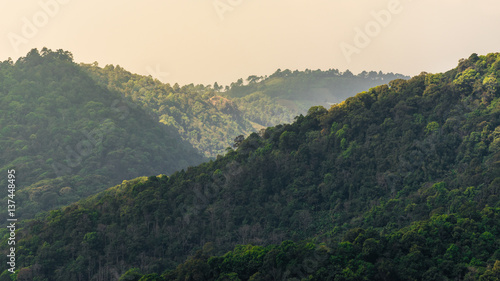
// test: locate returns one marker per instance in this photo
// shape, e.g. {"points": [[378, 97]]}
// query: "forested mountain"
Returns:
{"points": [[73, 142], [211, 117], [401, 182], [277, 99], [201, 116], [69, 138]]}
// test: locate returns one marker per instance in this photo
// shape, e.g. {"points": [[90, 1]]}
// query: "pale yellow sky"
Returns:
{"points": [[203, 41]]}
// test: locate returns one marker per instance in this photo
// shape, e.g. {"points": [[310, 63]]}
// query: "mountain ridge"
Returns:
{"points": [[69, 138], [262, 102], [414, 163]]}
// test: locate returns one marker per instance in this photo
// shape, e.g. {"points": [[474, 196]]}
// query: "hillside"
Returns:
{"points": [[69, 138], [397, 183], [210, 117], [277, 99], [202, 117]]}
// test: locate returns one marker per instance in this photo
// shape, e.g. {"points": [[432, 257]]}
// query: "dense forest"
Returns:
{"points": [[69, 138], [278, 98], [400, 182], [211, 117], [76, 129], [203, 118]]}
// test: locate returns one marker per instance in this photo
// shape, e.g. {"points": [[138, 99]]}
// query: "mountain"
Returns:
{"points": [[68, 138], [202, 117], [277, 99], [210, 118], [39, 104], [401, 182]]}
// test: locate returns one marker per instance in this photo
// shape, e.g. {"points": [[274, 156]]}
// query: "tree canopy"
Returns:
{"points": [[70, 138], [400, 182]]}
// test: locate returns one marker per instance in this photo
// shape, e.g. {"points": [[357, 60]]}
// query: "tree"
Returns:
{"points": [[253, 79], [288, 140], [492, 274], [25, 274], [238, 140], [431, 127], [316, 111], [152, 277], [347, 74], [217, 87], [133, 274]]}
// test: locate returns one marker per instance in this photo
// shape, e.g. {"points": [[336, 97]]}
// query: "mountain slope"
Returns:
{"points": [[277, 99], [414, 163], [210, 119], [202, 117], [444, 247], [69, 138]]}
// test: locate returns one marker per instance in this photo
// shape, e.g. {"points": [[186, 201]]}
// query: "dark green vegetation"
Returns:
{"points": [[69, 138], [210, 118], [72, 130], [203, 118], [277, 99], [398, 183]]}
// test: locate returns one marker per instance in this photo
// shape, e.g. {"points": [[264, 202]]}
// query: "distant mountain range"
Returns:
{"points": [[277, 99]]}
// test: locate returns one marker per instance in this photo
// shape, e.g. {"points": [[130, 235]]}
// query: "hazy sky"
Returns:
{"points": [[203, 41]]}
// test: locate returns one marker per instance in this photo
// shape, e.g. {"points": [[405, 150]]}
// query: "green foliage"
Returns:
{"points": [[431, 127], [465, 79], [438, 248], [277, 99], [133, 274], [69, 138], [200, 115], [288, 140], [151, 277], [398, 199]]}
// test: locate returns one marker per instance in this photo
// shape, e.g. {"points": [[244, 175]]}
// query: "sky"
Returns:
{"points": [[207, 41]]}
